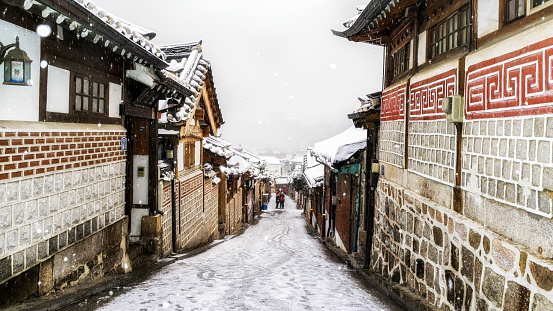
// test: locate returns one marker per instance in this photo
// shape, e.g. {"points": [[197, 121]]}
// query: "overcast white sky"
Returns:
{"points": [[283, 80]]}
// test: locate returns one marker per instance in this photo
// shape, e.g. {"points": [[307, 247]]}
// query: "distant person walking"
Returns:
{"points": [[281, 199]]}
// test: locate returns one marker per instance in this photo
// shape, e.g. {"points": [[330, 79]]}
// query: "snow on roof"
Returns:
{"points": [[282, 180], [341, 147], [189, 69], [271, 160], [309, 159], [353, 19], [167, 132], [216, 141], [315, 175], [140, 36], [239, 163]]}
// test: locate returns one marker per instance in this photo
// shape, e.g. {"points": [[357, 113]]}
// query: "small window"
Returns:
{"points": [[401, 60], [536, 3], [90, 94], [514, 9], [451, 33], [189, 154]]}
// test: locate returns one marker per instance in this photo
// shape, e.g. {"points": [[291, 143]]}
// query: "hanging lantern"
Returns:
{"points": [[17, 65]]}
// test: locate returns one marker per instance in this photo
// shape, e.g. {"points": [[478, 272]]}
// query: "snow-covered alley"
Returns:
{"points": [[274, 265]]}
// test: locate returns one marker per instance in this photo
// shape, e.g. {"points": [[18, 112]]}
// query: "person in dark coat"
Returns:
{"points": [[277, 198], [281, 199]]}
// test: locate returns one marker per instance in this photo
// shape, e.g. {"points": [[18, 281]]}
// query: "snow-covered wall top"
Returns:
{"points": [[341, 147], [315, 175]]}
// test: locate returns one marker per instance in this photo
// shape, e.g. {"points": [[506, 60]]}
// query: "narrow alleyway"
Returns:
{"points": [[274, 265]]}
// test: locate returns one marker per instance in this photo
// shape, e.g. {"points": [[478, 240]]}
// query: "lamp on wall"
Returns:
{"points": [[17, 65]]}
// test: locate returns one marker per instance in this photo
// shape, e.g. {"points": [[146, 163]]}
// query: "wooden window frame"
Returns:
{"points": [[73, 95], [403, 65], [189, 154], [504, 11], [447, 36], [78, 116], [533, 6]]}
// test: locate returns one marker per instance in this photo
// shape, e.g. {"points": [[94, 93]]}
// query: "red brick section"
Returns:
{"points": [[393, 103], [426, 96], [515, 84], [32, 153]]}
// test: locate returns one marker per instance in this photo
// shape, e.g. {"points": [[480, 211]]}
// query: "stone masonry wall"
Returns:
{"points": [[432, 147], [392, 142], [58, 184], [451, 261], [510, 161]]}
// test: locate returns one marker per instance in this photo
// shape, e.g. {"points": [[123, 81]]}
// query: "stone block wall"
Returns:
{"points": [[190, 208], [451, 261], [509, 160], [432, 146], [166, 219], [211, 201], [391, 140], [234, 212], [59, 183]]}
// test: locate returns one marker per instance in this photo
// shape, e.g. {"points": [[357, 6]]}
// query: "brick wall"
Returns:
{"points": [[59, 183], [453, 262]]}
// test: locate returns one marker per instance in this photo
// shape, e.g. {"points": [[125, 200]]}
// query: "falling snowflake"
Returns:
{"points": [[43, 30]]}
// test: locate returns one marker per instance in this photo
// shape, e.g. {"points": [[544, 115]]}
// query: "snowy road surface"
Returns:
{"points": [[273, 265]]}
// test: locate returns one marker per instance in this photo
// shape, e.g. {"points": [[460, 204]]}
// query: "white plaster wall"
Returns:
{"points": [[180, 159], [442, 67], [115, 96], [58, 90], [530, 35], [488, 17], [421, 57], [197, 154], [19, 102], [140, 184]]}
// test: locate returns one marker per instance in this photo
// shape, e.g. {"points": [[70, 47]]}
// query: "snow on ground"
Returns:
{"points": [[273, 265]]}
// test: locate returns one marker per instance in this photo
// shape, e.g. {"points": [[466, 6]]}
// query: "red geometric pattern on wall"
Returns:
{"points": [[393, 104], [426, 96], [515, 84]]}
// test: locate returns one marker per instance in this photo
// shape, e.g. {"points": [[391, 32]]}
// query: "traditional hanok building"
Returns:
{"points": [[189, 198], [342, 158], [241, 187], [368, 117], [463, 203], [68, 70]]}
